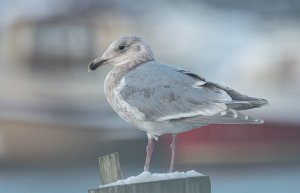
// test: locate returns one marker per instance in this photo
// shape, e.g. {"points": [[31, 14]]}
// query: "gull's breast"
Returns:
{"points": [[126, 111]]}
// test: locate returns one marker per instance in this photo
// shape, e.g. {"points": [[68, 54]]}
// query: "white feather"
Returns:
{"points": [[132, 111], [212, 110]]}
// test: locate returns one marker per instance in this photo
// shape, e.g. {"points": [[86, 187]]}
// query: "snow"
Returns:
{"points": [[148, 177]]}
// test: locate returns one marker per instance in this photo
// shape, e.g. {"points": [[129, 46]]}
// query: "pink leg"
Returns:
{"points": [[173, 148], [149, 150]]}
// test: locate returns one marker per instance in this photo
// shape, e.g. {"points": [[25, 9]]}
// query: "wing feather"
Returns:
{"points": [[164, 93]]}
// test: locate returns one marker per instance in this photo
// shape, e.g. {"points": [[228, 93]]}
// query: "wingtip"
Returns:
{"points": [[258, 121], [265, 102]]}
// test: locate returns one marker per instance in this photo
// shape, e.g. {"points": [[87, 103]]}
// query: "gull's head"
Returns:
{"points": [[124, 51]]}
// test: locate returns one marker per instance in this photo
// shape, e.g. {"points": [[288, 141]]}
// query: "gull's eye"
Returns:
{"points": [[121, 47]]}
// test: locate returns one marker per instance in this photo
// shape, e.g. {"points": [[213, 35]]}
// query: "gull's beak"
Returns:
{"points": [[96, 63]]}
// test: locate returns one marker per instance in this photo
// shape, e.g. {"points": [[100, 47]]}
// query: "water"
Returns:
{"points": [[272, 178]]}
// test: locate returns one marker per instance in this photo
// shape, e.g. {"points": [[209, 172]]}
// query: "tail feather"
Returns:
{"points": [[226, 117], [240, 101], [250, 104]]}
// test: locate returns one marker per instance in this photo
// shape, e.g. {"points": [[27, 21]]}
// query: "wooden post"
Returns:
{"points": [[110, 170], [199, 184]]}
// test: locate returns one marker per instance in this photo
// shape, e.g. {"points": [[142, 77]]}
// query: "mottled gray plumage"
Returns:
{"points": [[160, 98]]}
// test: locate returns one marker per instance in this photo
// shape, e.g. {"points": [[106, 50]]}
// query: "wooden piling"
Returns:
{"points": [[110, 171]]}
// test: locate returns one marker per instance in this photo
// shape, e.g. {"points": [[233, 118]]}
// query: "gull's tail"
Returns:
{"points": [[240, 101], [250, 103], [229, 116]]}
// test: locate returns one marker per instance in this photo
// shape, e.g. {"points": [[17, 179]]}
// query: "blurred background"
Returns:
{"points": [[55, 121]]}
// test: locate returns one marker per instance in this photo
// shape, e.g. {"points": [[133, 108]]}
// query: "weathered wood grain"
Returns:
{"points": [[110, 170], [199, 184]]}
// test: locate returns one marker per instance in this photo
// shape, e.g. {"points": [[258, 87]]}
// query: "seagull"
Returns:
{"points": [[162, 99]]}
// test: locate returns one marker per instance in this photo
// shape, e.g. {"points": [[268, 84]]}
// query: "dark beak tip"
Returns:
{"points": [[95, 64], [92, 66]]}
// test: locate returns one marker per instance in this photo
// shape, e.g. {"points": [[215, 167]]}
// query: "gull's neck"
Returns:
{"points": [[117, 73]]}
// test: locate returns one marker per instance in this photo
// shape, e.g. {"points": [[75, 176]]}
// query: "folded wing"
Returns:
{"points": [[164, 93]]}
